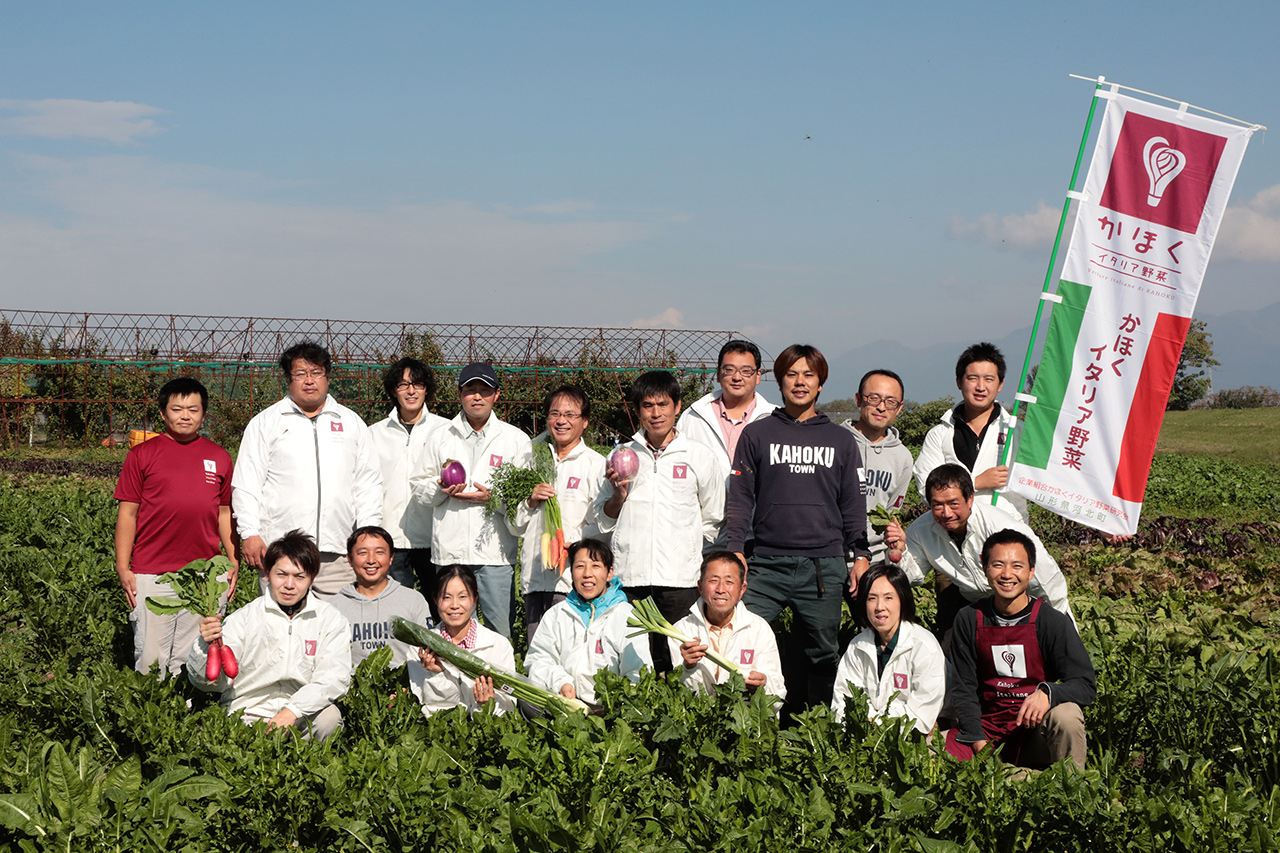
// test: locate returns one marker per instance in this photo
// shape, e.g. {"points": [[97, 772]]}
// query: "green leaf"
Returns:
{"points": [[126, 776], [20, 811], [166, 606]]}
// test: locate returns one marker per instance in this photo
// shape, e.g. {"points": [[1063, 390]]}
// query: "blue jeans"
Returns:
{"points": [[497, 588]]}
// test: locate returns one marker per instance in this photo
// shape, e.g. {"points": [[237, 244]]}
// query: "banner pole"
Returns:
{"points": [[1048, 274]]}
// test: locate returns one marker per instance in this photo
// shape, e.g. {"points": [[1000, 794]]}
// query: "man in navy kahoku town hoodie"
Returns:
{"points": [[795, 479]]}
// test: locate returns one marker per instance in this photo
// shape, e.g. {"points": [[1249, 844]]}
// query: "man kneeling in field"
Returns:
{"points": [[1022, 672], [719, 621], [294, 649]]}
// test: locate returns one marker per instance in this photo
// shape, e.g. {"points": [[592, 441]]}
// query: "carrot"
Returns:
{"points": [[564, 549], [546, 550]]}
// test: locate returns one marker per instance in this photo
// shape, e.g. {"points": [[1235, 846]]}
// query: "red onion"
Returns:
{"points": [[624, 462], [453, 473]]}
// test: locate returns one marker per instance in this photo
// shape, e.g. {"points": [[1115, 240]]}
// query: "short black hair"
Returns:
{"points": [[571, 391], [419, 374], [297, 547], [980, 352], [948, 475], [654, 383], [305, 351], [901, 585], [1009, 536], [183, 386], [739, 345], [370, 530], [725, 556], [879, 371], [466, 574], [596, 549]]}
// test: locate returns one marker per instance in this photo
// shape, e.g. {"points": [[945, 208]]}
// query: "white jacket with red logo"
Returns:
{"points": [[567, 651], [676, 503], [460, 531], [751, 644], [579, 478], [302, 664], [318, 475], [398, 449], [440, 691], [914, 682]]}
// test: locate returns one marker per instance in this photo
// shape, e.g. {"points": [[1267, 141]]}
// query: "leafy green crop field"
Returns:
{"points": [[1182, 623]]}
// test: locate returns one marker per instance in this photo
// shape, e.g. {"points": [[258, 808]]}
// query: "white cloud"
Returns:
{"points": [[120, 122], [672, 318], [127, 232], [1252, 232], [1032, 230]]}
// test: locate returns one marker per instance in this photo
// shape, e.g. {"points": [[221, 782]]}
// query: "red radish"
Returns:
{"points": [[213, 668], [895, 555], [624, 462], [230, 666], [453, 473]]}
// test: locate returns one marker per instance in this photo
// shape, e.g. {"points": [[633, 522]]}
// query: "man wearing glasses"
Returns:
{"points": [[717, 420], [306, 463], [399, 441], [886, 462]]}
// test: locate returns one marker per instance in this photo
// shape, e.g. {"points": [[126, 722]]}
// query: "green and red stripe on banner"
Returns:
{"points": [[1142, 429]]}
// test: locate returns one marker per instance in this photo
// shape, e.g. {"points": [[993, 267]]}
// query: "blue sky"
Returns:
{"points": [[820, 172]]}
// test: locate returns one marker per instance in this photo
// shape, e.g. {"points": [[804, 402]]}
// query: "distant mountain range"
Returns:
{"points": [[1246, 342]]}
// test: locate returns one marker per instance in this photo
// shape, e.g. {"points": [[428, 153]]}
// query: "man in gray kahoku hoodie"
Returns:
{"points": [[376, 599], [886, 462]]}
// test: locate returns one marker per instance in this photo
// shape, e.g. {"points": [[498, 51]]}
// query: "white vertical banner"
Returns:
{"points": [[1154, 197]]}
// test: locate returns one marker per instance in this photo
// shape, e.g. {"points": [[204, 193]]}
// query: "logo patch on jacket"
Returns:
{"points": [[900, 681], [679, 472], [494, 460], [599, 646], [335, 426], [1010, 661], [211, 466], [573, 482], [309, 646], [747, 656]]}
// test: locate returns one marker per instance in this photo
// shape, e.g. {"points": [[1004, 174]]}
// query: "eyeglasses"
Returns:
{"points": [[568, 416], [744, 372], [874, 400], [405, 386], [300, 375]]}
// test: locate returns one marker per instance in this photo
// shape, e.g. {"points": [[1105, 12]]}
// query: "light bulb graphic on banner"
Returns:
{"points": [[1163, 165]]}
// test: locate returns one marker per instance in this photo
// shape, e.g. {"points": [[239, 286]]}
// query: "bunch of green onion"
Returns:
{"points": [[475, 666], [646, 616]]}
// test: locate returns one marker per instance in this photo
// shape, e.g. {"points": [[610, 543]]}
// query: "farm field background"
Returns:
{"points": [[1183, 624]]}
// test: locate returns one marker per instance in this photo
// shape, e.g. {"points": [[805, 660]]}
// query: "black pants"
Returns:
{"points": [[673, 603]]}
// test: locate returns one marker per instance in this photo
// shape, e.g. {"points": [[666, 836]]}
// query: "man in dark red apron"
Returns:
{"points": [[1022, 672]]}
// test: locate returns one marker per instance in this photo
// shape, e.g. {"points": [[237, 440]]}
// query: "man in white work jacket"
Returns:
{"points": [[461, 532], [306, 463]]}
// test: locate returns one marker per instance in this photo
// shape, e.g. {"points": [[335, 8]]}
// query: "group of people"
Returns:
{"points": [[737, 510]]}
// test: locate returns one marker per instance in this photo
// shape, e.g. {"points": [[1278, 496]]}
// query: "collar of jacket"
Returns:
{"points": [[587, 611]]}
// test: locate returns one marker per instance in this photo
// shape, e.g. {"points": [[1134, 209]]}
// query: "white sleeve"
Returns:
{"points": [[249, 478], [1048, 581], [543, 659], [769, 663], [931, 456], [915, 559], [424, 478], [366, 481], [929, 688], [844, 675], [711, 493]]}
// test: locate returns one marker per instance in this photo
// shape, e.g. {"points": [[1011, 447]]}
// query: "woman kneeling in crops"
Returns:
{"points": [[587, 631], [894, 661], [294, 650], [443, 685]]}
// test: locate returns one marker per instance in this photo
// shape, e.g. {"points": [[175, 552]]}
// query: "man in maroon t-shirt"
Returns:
{"points": [[175, 507]]}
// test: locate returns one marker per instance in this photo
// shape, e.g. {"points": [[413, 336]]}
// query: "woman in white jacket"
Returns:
{"points": [[587, 632], [443, 686], [294, 650], [897, 663]]}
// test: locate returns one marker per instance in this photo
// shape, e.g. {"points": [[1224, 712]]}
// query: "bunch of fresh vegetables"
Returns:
{"points": [[200, 591], [475, 666], [510, 485], [646, 616], [879, 519]]}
